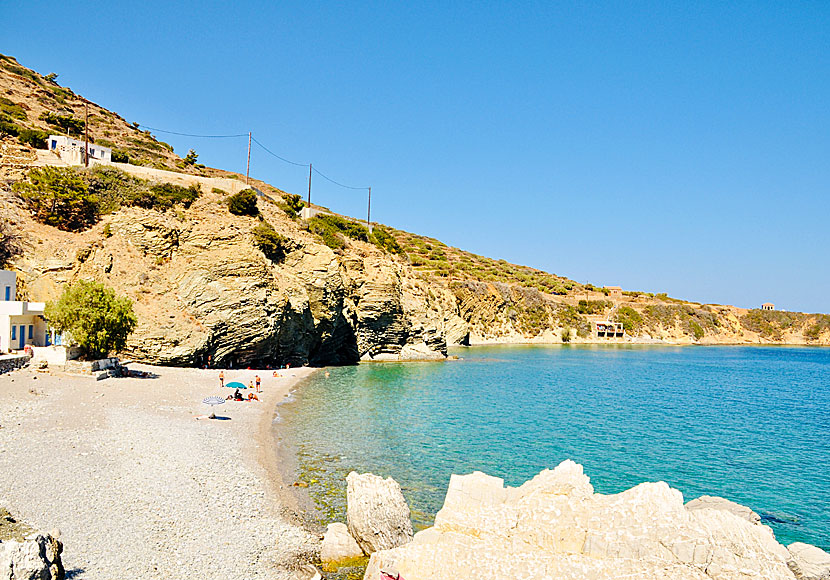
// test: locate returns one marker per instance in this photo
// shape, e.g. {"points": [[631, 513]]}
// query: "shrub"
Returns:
{"points": [[58, 197], [243, 203], [107, 231], [291, 204], [113, 187], [697, 331], [630, 318], [33, 137], [330, 236], [190, 158], [218, 191], [163, 196], [120, 156], [12, 109], [332, 228], [96, 318], [272, 244], [592, 306], [66, 123], [383, 239], [566, 334], [9, 128]]}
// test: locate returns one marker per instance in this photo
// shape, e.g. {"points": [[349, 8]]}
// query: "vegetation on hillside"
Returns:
{"points": [[243, 203], [94, 316], [272, 244], [73, 199], [434, 258]]}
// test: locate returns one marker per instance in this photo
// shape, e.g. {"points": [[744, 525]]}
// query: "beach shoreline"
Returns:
{"points": [[141, 483]]}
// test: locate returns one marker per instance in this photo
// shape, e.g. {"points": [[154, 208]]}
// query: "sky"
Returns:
{"points": [[679, 147]]}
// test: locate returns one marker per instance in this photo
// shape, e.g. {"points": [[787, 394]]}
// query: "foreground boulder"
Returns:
{"points": [[719, 503], [35, 558], [808, 562], [377, 513], [339, 545], [555, 526]]}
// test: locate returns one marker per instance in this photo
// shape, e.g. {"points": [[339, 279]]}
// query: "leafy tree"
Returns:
{"points": [[51, 77], [96, 318], [190, 158], [243, 203], [33, 137], [291, 204], [163, 196], [11, 244], [58, 197], [272, 244]]}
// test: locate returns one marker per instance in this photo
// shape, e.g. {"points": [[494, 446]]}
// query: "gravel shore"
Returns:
{"points": [[138, 486]]}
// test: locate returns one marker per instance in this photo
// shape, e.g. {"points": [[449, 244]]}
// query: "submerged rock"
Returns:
{"points": [[35, 558], [377, 513], [555, 526], [719, 503], [809, 562], [339, 545]]}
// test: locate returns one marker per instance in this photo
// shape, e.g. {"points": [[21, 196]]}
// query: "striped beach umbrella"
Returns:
{"points": [[213, 401]]}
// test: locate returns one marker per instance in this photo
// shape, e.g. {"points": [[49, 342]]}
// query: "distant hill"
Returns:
{"points": [[270, 288]]}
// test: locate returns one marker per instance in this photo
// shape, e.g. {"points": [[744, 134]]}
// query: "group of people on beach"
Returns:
{"points": [[255, 383]]}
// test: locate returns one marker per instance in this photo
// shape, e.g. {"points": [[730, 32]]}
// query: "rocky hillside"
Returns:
{"points": [[334, 293]]}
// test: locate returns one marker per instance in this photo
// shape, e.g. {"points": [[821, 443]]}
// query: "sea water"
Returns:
{"points": [[751, 424]]}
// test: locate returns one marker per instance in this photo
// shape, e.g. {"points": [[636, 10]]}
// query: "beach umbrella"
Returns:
{"points": [[236, 385], [213, 401]]}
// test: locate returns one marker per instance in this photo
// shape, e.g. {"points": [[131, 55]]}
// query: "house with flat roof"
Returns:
{"points": [[614, 291], [21, 323], [73, 151], [767, 306]]}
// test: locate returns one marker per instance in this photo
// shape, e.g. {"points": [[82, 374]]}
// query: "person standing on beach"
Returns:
{"points": [[221, 378], [257, 383]]}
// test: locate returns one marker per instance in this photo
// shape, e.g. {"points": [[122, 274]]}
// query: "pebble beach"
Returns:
{"points": [[141, 484]]}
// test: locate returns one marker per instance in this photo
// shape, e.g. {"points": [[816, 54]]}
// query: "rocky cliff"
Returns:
{"points": [[203, 289]]}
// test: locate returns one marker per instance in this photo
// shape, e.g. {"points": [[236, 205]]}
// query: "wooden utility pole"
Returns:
{"points": [[86, 134], [309, 186], [369, 212], [248, 168]]}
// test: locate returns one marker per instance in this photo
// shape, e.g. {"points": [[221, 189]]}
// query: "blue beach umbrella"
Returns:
{"points": [[236, 385]]}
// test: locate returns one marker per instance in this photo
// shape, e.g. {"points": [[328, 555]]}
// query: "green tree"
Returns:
{"points": [[243, 203], [96, 318], [191, 157], [58, 197]]}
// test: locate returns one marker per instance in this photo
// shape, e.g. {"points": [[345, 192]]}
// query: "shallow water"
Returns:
{"points": [[751, 424]]}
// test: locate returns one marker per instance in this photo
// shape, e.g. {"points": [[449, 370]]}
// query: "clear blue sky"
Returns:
{"points": [[679, 147]]}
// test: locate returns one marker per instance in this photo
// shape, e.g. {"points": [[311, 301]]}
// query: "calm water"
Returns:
{"points": [[750, 424]]}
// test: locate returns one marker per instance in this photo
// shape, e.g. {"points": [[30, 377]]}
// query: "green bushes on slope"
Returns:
{"points": [[243, 203]]}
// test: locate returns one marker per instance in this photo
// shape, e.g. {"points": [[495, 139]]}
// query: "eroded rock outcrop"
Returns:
{"points": [[718, 503], [555, 526], [809, 562], [338, 545], [35, 558], [377, 514]]}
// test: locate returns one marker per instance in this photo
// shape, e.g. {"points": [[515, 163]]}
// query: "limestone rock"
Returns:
{"points": [[719, 503], [555, 526], [339, 545], [809, 562], [35, 558], [377, 513]]}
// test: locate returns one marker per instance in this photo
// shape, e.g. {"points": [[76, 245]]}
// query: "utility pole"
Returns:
{"points": [[309, 186], [248, 168], [369, 212], [86, 134]]}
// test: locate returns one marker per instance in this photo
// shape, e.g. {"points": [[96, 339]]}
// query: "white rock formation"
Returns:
{"points": [[719, 503], [809, 562], [338, 545], [555, 526], [377, 513], [35, 558]]}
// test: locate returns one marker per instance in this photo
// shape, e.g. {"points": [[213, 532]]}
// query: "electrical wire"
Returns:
{"points": [[277, 156], [191, 135], [336, 183]]}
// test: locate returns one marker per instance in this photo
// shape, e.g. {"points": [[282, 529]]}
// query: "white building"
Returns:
{"points": [[73, 151], [21, 323]]}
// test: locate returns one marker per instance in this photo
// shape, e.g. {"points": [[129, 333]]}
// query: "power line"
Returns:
{"points": [[191, 135], [336, 183], [277, 156]]}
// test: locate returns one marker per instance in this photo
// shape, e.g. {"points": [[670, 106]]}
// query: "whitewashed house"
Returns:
{"points": [[73, 151], [21, 323]]}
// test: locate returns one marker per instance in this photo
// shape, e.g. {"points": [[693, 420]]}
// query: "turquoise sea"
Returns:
{"points": [[751, 424]]}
